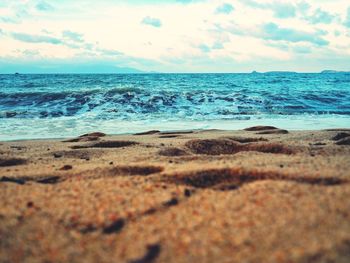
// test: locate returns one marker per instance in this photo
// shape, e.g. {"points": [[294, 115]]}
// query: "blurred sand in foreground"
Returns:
{"points": [[256, 195]]}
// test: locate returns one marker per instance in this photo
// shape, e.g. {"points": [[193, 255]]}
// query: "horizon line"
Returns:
{"points": [[149, 73]]}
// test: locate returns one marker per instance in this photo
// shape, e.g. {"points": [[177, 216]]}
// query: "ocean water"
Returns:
{"points": [[55, 106]]}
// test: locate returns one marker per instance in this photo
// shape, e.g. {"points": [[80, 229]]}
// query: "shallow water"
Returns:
{"points": [[53, 106]]}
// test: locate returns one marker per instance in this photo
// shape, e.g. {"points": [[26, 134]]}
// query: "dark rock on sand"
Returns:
{"points": [[12, 180], [66, 167], [115, 227], [274, 131], [260, 128], [341, 135], [246, 140], [172, 151], [147, 132], [83, 139], [93, 134], [49, 180], [187, 192], [345, 141], [176, 132], [318, 144], [152, 253], [11, 162], [173, 201], [57, 155], [339, 130], [106, 144]]}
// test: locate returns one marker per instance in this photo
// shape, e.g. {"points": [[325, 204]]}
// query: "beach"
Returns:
{"points": [[261, 194], [128, 135]]}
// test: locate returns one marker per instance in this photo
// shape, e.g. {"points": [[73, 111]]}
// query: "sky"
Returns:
{"points": [[105, 36]]}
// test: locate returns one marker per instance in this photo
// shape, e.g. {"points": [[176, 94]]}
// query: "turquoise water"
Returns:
{"points": [[54, 106]]}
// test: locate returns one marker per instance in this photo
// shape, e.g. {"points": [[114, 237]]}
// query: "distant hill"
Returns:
{"points": [[81, 68], [333, 71]]}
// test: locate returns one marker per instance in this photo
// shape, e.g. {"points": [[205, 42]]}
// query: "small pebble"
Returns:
{"points": [[152, 253], [66, 167], [187, 192], [57, 155], [115, 227], [173, 201]]}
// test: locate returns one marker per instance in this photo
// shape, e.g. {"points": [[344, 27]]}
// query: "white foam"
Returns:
{"points": [[63, 127]]}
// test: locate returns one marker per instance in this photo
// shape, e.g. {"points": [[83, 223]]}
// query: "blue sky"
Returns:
{"points": [[174, 36]]}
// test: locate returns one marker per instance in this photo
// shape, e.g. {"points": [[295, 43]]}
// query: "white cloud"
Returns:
{"points": [[151, 21], [159, 36]]}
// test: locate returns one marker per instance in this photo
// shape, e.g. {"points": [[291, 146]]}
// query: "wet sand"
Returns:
{"points": [[255, 195]]}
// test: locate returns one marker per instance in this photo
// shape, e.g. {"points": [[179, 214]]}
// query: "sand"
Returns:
{"points": [[256, 195]]}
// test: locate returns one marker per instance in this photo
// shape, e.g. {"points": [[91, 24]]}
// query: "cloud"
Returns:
{"points": [[296, 48], [303, 7], [219, 31], [31, 53], [88, 46], [108, 52], [9, 20], [302, 49], [253, 4], [321, 16], [151, 21], [218, 45], [184, 1], [207, 49], [224, 9], [36, 38], [279, 45], [280, 9], [347, 20], [272, 31], [66, 66], [44, 6], [204, 48], [283, 10], [74, 36]]}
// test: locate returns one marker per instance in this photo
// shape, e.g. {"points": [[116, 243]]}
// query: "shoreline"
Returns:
{"points": [[262, 194], [60, 128], [164, 132]]}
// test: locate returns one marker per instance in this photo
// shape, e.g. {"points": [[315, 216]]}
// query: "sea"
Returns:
{"points": [[66, 105]]}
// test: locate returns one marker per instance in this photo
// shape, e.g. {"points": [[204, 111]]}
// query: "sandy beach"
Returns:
{"points": [[256, 195]]}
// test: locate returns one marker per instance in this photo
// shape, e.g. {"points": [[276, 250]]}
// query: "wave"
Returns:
{"points": [[137, 103], [176, 97]]}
